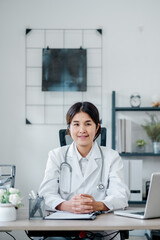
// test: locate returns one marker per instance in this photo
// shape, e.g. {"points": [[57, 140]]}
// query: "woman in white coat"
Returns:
{"points": [[93, 178]]}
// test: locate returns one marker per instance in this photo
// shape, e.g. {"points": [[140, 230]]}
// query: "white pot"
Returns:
{"points": [[7, 212]]}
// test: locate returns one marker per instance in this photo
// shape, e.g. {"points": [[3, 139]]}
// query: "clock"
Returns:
{"points": [[135, 100]]}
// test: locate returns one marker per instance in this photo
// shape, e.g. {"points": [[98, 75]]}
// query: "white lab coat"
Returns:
{"points": [[116, 192]]}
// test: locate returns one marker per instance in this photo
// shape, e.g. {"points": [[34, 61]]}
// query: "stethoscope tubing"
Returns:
{"points": [[100, 186]]}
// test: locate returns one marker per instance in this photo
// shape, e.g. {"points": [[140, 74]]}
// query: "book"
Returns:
{"points": [[121, 135], [128, 136]]}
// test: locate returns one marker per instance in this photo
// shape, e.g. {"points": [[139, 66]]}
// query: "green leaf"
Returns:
{"points": [[152, 127]]}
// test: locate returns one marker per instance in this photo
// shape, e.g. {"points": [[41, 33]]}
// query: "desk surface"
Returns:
{"points": [[102, 222]]}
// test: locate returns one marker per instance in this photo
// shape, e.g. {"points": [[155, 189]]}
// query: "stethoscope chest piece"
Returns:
{"points": [[100, 187]]}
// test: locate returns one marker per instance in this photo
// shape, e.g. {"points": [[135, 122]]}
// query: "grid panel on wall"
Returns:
{"points": [[51, 107]]}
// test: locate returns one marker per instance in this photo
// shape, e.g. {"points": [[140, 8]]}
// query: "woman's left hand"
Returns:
{"points": [[86, 203]]}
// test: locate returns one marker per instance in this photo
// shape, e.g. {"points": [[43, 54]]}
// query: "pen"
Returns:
{"points": [[33, 194], [30, 195]]}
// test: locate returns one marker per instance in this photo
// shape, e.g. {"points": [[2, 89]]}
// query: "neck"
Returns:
{"points": [[83, 150]]}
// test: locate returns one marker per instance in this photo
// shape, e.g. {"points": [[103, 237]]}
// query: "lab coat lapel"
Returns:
{"points": [[73, 160], [92, 163], [76, 171]]}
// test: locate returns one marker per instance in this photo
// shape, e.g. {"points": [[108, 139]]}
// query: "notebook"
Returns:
{"points": [[152, 208], [63, 215]]}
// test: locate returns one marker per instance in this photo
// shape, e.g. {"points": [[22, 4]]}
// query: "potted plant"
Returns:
{"points": [[152, 128], [140, 145], [10, 200]]}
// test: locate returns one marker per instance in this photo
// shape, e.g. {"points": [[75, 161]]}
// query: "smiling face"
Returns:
{"points": [[83, 130]]}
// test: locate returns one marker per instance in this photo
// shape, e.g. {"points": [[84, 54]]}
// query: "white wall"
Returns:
{"points": [[131, 60]]}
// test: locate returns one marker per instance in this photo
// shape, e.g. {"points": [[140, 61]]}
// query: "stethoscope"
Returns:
{"points": [[66, 167]]}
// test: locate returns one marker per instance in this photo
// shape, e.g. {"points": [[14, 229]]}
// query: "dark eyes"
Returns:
{"points": [[86, 124], [75, 124]]}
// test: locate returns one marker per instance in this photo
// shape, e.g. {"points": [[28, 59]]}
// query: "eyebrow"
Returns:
{"points": [[85, 121]]}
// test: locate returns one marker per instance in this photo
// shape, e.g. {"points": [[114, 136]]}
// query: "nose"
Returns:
{"points": [[82, 129]]}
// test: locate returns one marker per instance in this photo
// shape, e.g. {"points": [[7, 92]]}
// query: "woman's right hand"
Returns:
{"points": [[77, 204]]}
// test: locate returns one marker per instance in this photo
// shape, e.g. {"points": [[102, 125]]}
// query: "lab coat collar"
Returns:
{"points": [[93, 158], [94, 152], [72, 157], [91, 167], [79, 156]]}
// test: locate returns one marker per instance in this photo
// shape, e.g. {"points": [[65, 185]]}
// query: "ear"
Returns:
{"points": [[98, 125], [68, 129]]}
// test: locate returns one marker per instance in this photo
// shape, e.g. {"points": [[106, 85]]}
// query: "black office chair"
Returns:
{"points": [[65, 139]]}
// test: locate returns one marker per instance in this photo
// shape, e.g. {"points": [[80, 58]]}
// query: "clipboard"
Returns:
{"points": [[63, 215]]}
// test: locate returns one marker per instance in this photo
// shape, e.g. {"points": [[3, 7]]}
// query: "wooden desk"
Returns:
{"points": [[102, 222]]}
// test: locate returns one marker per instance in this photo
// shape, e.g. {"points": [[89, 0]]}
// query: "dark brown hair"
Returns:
{"points": [[85, 107]]}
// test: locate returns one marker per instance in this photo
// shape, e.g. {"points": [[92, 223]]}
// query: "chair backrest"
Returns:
{"points": [[65, 139], [7, 175]]}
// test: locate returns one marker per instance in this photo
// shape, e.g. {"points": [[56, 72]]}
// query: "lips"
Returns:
{"points": [[83, 136]]}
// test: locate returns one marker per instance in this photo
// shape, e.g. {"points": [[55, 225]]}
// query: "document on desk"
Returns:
{"points": [[63, 215]]}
